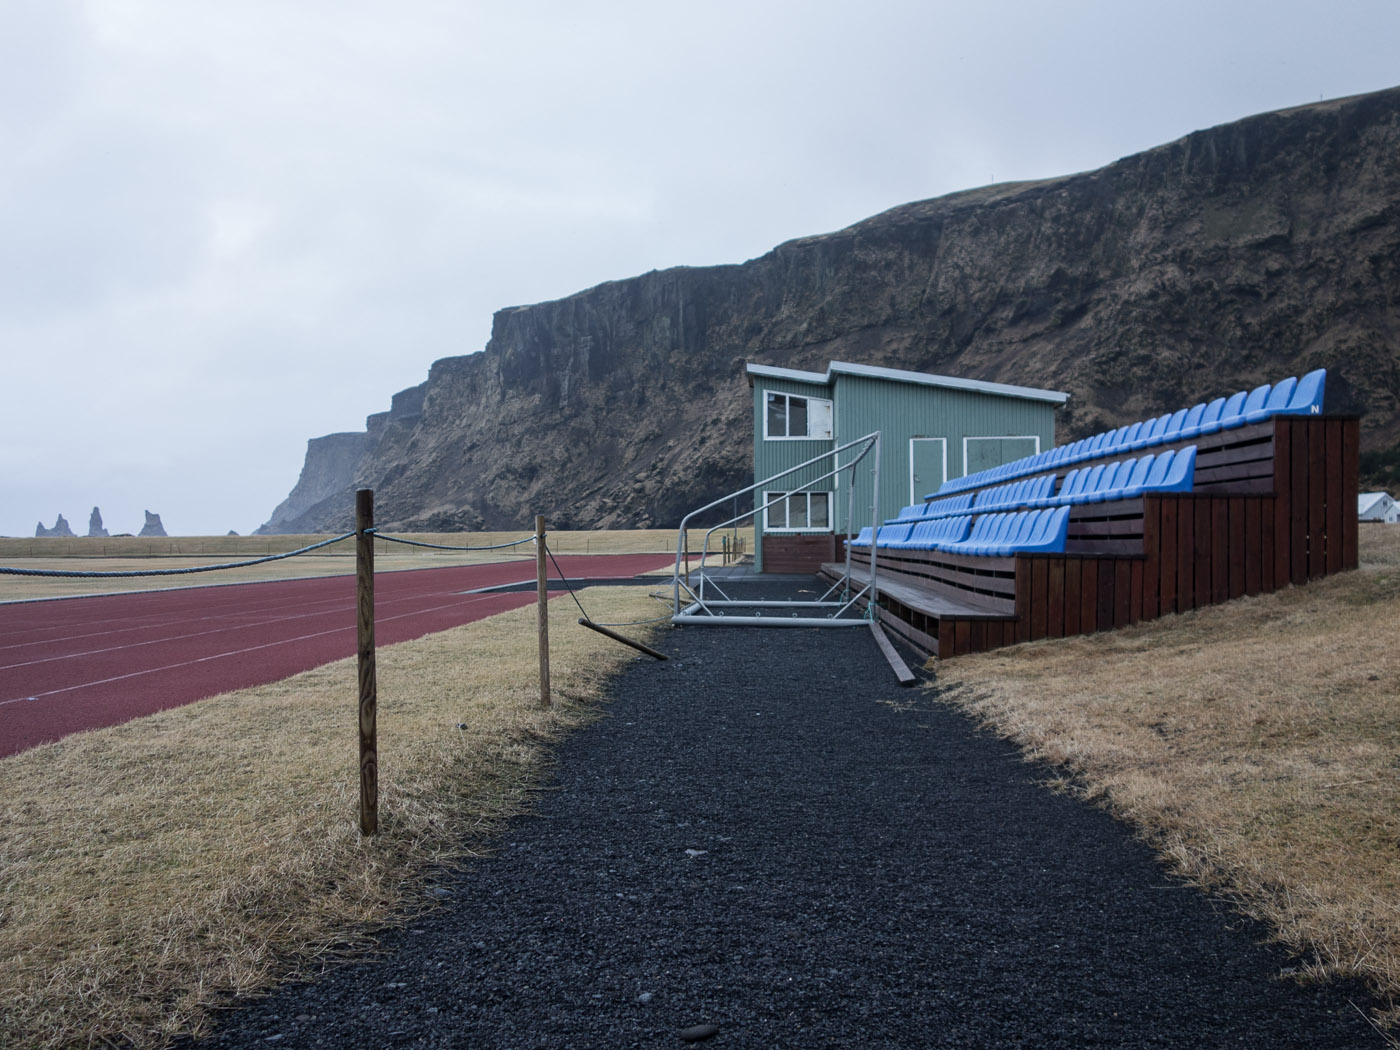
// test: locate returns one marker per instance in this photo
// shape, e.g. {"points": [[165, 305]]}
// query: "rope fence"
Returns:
{"points": [[444, 547], [364, 534], [133, 573]]}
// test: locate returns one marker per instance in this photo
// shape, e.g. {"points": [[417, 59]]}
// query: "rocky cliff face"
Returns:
{"points": [[1233, 256]]}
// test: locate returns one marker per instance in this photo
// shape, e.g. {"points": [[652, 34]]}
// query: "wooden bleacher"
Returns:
{"points": [[1273, 503]]}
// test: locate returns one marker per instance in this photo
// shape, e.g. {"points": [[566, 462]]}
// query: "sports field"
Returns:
{"points": [[83, 663]]}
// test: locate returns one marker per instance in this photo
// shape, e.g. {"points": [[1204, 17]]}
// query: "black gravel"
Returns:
{"points": [[767, 843]]}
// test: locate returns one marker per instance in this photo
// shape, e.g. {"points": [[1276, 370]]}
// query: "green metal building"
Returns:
{"points": [[932, 427]]}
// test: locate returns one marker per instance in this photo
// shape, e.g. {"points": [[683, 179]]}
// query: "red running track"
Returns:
{"points": [[83, 663]]}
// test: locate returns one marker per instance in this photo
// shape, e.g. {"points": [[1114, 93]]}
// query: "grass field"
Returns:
{"points": [[151, 870], [1256, 745]]}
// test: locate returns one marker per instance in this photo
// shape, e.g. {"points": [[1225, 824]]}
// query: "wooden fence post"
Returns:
{"points": [[543, 589], [364, 631]]}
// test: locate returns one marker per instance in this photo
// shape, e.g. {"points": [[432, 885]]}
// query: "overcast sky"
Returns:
{"points": [[228, 226]]}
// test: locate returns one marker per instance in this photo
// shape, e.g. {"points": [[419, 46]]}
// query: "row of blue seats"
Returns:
{"points": [[1170, 471], [1011, 532], [1289, 397], [1040, 520], [1004, 497]]}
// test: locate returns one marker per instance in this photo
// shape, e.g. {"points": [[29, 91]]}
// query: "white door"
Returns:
{"points": [[928, 466]]}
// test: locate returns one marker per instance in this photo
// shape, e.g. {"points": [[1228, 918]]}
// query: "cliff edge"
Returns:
{"points": [[1233, 256]]}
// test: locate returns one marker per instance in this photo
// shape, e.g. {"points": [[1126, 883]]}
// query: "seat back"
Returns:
{"points": [[1232, 413], [1279, 396], [953, 530], [1175, 425], [1209, 420], [892, 535], [1253, 405], [1137, 476], [1308, 395], [1181, 477]]}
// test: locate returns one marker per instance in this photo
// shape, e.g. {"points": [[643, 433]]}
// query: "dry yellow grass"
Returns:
{"points": [[151, 870], [1255, 744]]}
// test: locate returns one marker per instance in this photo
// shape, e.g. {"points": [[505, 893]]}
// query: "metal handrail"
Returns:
{"points": [[867, 443]]}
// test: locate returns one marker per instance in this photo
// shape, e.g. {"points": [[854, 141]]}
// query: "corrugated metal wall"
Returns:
{"points": [[901, 411]]}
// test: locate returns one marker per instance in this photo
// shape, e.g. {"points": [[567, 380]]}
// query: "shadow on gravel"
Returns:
{"points": [[768, 836]]}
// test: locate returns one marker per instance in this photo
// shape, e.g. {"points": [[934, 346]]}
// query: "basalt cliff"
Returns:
{"points": [[1233, 256]]}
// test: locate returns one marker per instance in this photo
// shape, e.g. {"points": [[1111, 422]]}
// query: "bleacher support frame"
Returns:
{"points": [[843, 611], [1274, 503]]}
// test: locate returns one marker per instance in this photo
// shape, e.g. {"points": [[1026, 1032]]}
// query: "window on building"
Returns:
{"points": [[982, 453], [798, 510], [790, 416]]}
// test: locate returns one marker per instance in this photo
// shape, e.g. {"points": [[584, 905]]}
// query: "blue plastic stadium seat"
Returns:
{"points": [[1132, 476], [1152, 431], [1172, 431], [1028, 531], [1232, 410], [982, 528], [914, 538], [1209, 421], [1179, 474], [1192, 423], [1073, 483], [1117, 439], [1110, 479], [1278, 399], [941, 508], [1048, 497], [1050, 531], [1089, 481], [1248, 406], [1006, 526], [928, 535], [1308, 396], [863, 540], [891, 535]]}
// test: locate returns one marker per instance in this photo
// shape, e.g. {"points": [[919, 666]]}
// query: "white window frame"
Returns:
{"points": [[768, 498], [820, 417], [995, 437]]}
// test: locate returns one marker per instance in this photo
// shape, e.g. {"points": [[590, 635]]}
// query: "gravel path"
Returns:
{"points": [[767, 835]]}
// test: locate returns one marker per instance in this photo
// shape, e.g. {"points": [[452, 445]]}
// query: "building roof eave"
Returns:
{"points": [[899, 375]]}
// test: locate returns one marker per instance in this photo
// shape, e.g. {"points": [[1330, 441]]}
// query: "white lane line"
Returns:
{"points": [[146, 619], [220, 656], [168, 638], [337, 605], [148, 622]]}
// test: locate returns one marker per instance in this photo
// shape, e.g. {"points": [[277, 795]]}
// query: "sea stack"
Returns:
{"points": [[60, 528]]}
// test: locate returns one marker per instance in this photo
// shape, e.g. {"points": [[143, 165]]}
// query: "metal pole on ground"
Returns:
{"points": [[543, 588], [364, 632]]}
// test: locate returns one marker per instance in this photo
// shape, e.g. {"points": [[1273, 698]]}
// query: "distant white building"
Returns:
{"points": [[1377, 506]]}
